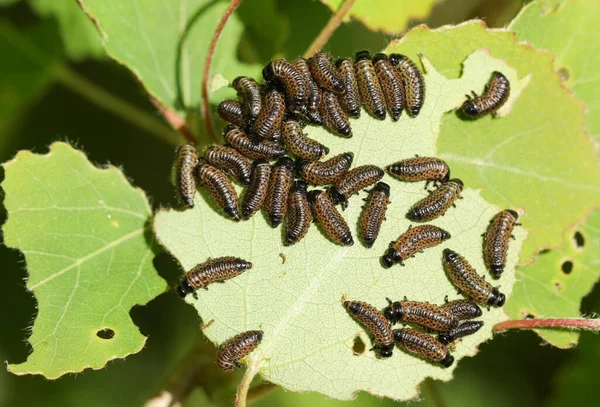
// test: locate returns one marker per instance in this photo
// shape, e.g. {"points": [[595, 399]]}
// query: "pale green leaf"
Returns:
{"points": [[80, 37], [84, 234], [538, 157], [294, 293], [165, 42], [390, 16]]}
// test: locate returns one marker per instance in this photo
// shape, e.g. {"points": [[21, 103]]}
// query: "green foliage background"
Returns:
{"points": [[42, 102]]}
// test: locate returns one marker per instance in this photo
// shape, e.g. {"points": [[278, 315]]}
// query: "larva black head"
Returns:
{"points": [[236, 81], [353, 306], [469, 108], [497, 299], [385, 351], [285, 162], [267, 72], [444, 338], [387, 261], [313, 195], [349, 156], [449, 255], [347, 240], [299, 186], [379, 57], [396, 59], [243, 265], [447, 361], [233, 212], [496, 271], [184, 289], [383, 187], [513, 213], [336, 196], [393, 312], [459, 182], [445, 235], [362, 55]]}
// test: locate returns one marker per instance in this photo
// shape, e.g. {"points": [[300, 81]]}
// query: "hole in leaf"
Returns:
{"points": [[579, 240], [105, 333], [530, 316], [564, 74], [558, 286], [544, 251], [567, 267], [359, 346]]}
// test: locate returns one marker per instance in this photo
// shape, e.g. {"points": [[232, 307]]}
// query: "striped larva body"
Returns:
{"points": [[425, 346], [220, 188], [415, 169], [495, 243], [377, 326], [186, 160], [237, 348], [496, 93], [423, 314], [301, 146], [412, 81], [415, 239], [325, 172], [462, 309], [314, 93], [325, 73], [334, 116], [369, 87], [437, 203], [230, 161], [270, 116], [353, 181], [349, 100], [391, 84], [468, 282], [231, 111], [252, 149], [373, 214], [298, 217], [257, 190], [276, 202], [284, 73], [249, 91], [328, 217], [212, 271], [464, 329]]}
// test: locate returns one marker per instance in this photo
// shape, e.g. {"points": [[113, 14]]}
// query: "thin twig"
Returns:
{"points": [[551, 323], [242, 392], [329, 29], [101, 97], [175, 121], [208, 120]]}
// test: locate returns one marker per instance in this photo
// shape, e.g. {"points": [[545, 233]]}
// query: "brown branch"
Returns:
{"points": [[329, 29], [175, 121], [208, 120], [551, 323]]}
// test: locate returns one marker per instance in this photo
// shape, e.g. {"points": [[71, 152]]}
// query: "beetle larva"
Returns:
{"points": [[276, 202], [301, 146], [270, 116], [325, 172], [298, 214], [237, 348], [220, 188], [412, 241], [391, 84], [333, 115], [349, 100], [494, 96], [412, 81], [423, 314], [328, 217], [257, 190], [230, 161], [414, 169], [420, 344], [353, 181], [314, 93], [369, 87], [325, 73], [231, 111], [281, 71], [462, 330], [211, 271], [186, 160], [437, 203], [467, 281], [462, 309], [373, 214], [375, 324], [253, 149], [495, 244], [249, 91]]}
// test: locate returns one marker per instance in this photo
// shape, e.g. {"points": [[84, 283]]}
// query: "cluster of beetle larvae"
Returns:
{"points": [[266, 123]]}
